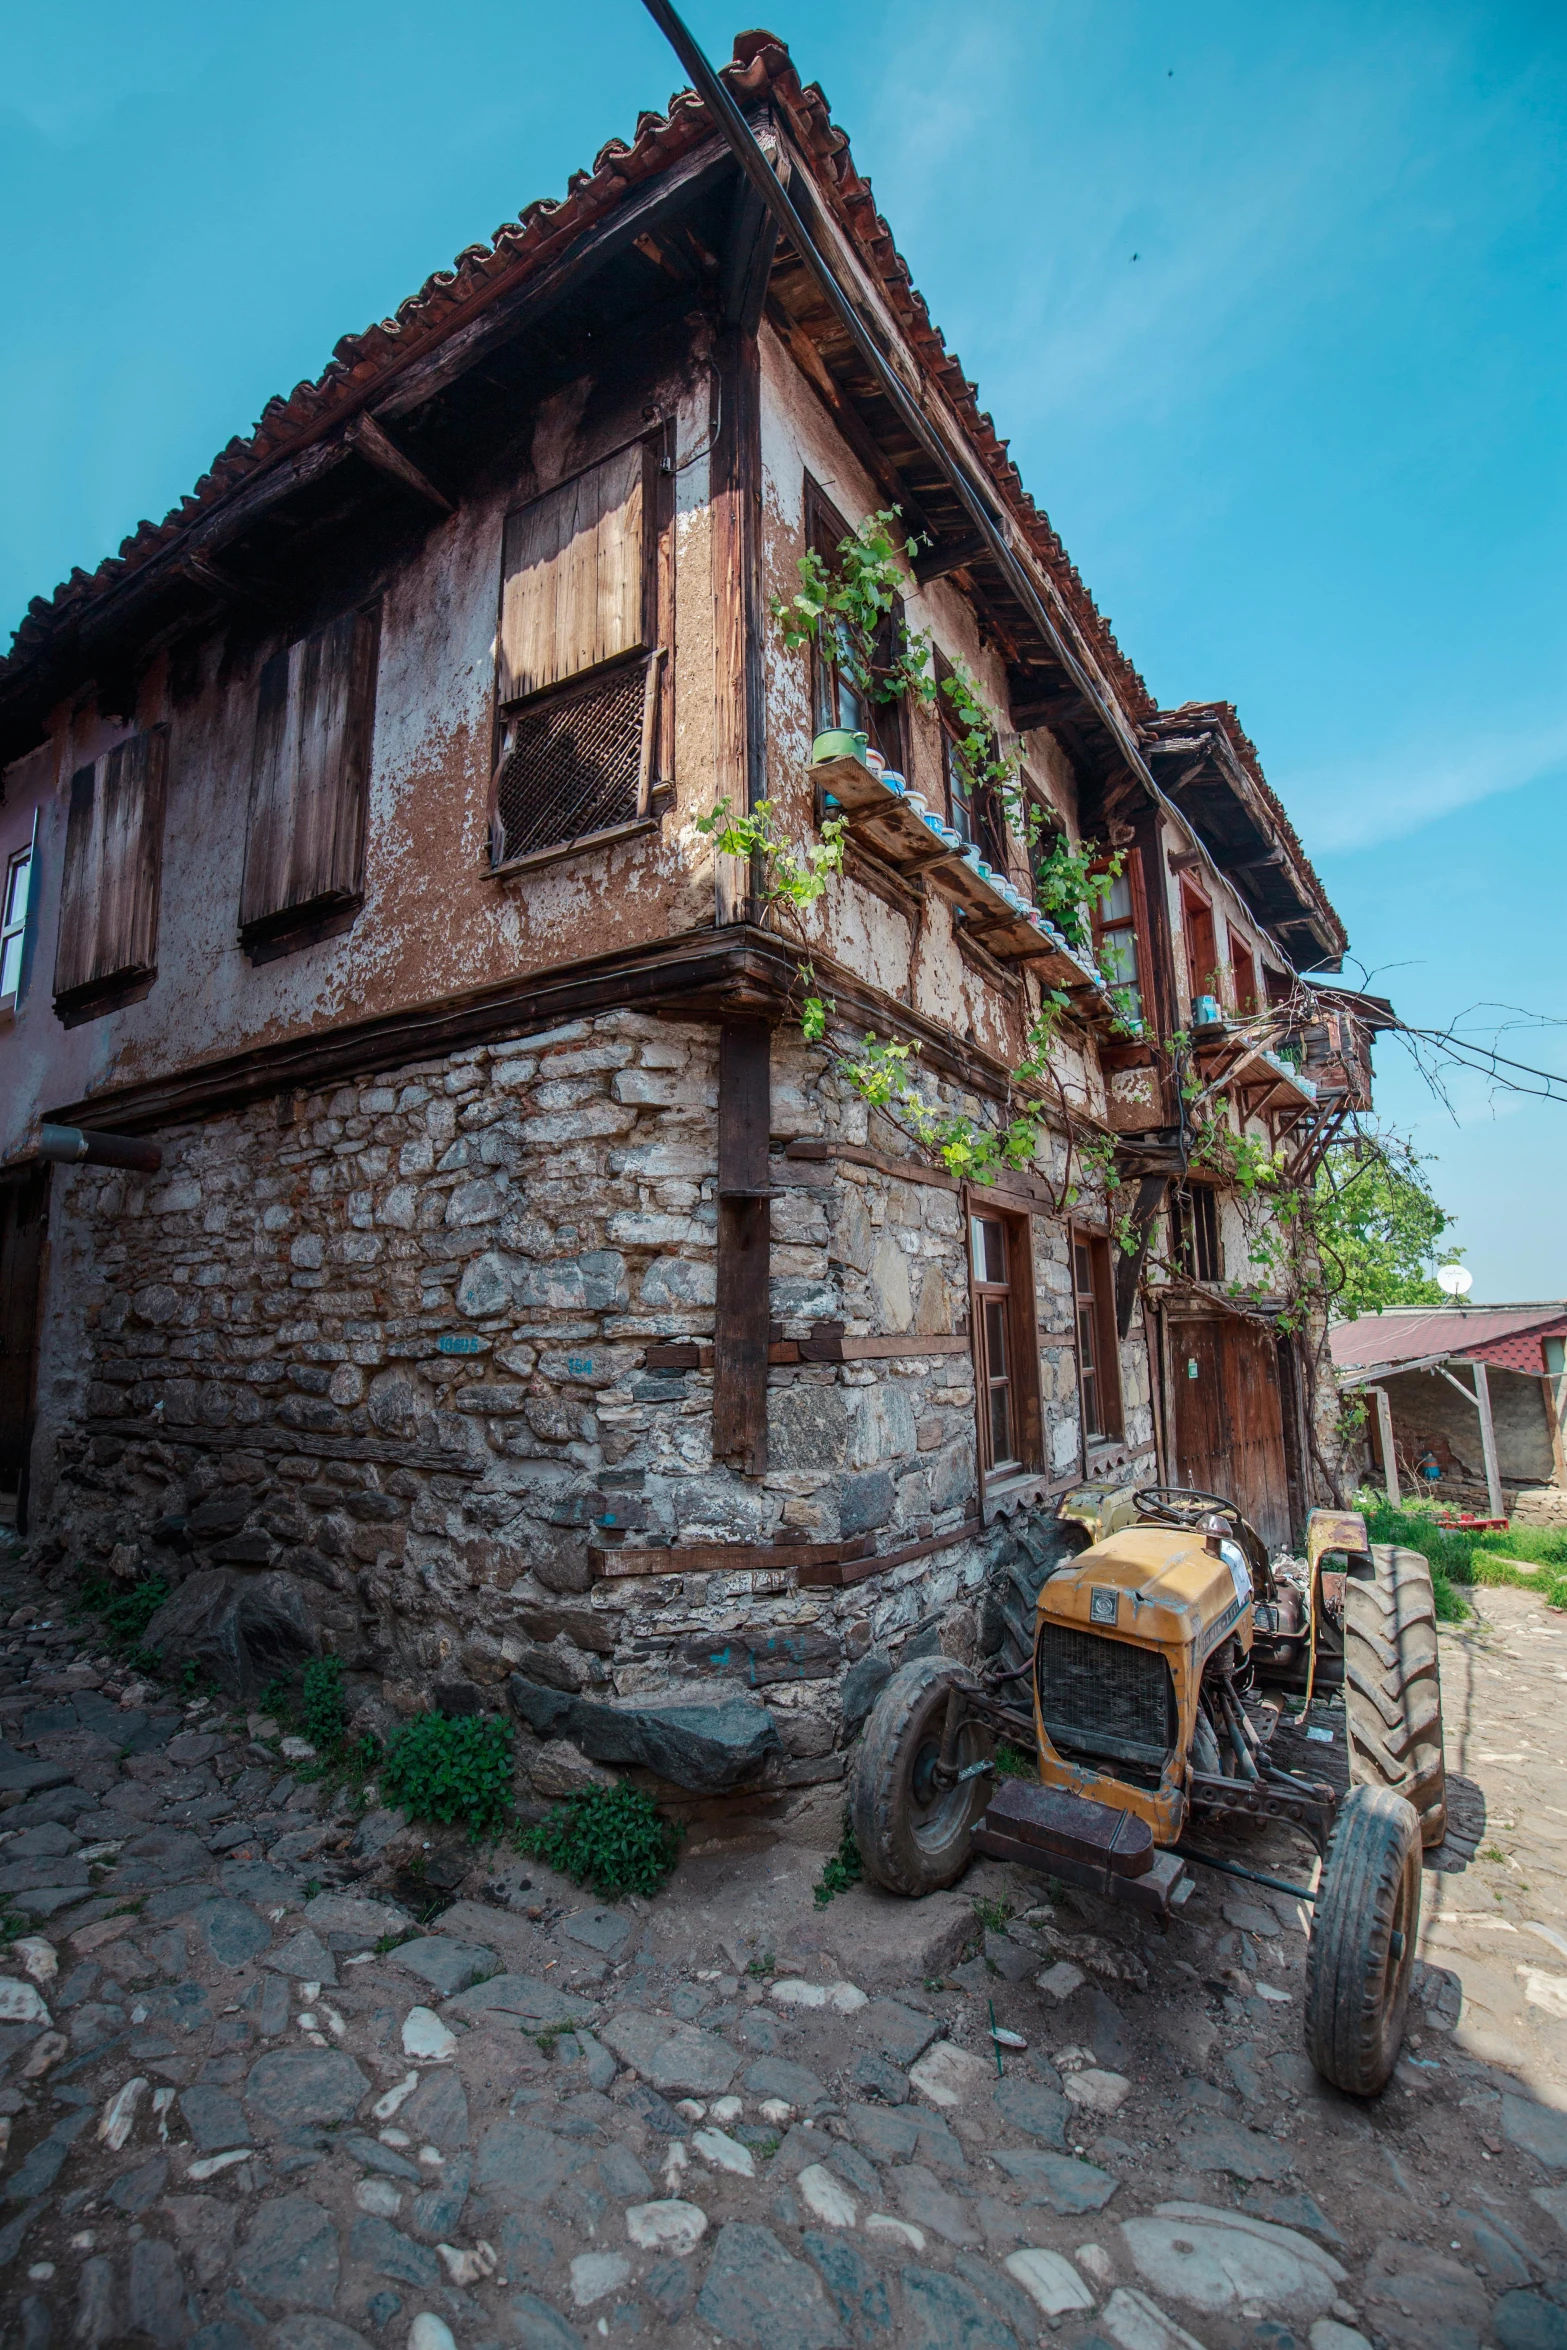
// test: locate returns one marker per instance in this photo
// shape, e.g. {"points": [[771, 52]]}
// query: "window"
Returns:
{"points": [[13, 919], [310, 771], [973, 809], [1118, 926], [835, 699], [1006, 1352], [1098, 1354], [107, 949], [1202, 951], [1194, 1233], [577, 673], [1243, 974]]}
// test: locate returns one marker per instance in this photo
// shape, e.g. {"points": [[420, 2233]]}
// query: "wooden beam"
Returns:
{"points": [[740, 732], [377, 449], [741, 1324], [748, 257], [1385, 1445], [950, 556], [1493, 1475]]}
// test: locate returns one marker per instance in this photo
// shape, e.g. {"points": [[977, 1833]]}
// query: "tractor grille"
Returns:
{"points": [[574, 766], [1105, 1697]]}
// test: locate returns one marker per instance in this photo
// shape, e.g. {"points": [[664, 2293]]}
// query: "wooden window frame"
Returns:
{"points": [[1243, 958], [1098, 1300], [13, 920], [125, 960], [1197, 905], [1196, 1235], [984, 820], [1021, 1365], [825, 531], [648, 655], [1132, 867]]}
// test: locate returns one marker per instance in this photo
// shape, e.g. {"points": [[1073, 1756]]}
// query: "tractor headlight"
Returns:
{"points": [[1240, 1574]]}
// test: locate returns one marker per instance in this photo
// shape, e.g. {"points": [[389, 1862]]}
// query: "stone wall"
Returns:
{"points": [[387, 1343]]}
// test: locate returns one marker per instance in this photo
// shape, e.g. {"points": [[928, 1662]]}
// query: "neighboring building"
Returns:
{"points": [[1456, 1382], [519, 1290]]}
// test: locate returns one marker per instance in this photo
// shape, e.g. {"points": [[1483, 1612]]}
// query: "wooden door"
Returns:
{"points": [[23, 1201], [1229, 1419]]}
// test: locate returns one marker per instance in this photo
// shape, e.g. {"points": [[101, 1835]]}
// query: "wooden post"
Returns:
{"points": [[1385, 1440], [740, 735], [742, 1321], [1554, 1388], [1493, 1479]]}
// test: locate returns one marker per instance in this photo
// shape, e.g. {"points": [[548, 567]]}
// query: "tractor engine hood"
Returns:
{"points": [[1156, 1585]]}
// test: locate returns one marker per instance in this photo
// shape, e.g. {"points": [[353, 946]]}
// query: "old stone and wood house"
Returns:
{"points": [[516, 1292]]}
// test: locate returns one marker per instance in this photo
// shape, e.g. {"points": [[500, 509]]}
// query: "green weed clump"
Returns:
{"points": [[1013, 1763], [843, 1870], [322, 1715], [124, 1610], [1472, 1555], [612, 1838], [454, 1770]]}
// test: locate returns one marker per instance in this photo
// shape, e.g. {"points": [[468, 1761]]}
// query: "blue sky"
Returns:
{"points": [[1306, 447]]}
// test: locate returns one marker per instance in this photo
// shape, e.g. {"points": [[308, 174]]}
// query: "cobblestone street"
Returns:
{"points": [[251, 2105]]}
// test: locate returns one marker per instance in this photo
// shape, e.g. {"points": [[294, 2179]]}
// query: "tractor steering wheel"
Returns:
{"points": [[1183, 1505]]}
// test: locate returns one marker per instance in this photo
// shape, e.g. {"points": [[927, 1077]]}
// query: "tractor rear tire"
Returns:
{"points": [[914, 1837], [1392, 1684], [1363, 1935]]}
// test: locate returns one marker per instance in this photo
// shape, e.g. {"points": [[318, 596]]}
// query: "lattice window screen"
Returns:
{"points": [[575, 763]]}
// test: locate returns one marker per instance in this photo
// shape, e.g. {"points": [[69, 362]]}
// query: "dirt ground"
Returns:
{"points": [[248, 2108]]}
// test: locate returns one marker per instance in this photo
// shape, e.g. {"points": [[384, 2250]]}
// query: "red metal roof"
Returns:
{"points": [[1508, 1336], [363, 365]]}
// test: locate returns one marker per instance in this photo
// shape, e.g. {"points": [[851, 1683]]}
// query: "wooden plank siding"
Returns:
{"points": [[109, 889], [574, 591], [315, 717]]}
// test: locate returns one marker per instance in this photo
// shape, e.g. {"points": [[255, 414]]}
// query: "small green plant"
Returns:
{"points": [[764, 1965], [275, 1697], [844, 1870], [993, 1915], [612, 1838], [322, 1716], [124, 1610], [454, 1770], [1013, 1763], [1492, 1852], [312, 1887]]}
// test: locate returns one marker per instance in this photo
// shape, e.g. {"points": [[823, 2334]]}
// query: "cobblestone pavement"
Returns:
{"points": [[251, 2102]]}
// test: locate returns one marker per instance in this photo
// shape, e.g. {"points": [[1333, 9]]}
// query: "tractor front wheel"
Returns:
{"points": [[913, 1832], [1363, 1936]]}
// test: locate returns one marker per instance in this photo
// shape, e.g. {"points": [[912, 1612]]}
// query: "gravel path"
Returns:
{"points": [[275, 2076]]}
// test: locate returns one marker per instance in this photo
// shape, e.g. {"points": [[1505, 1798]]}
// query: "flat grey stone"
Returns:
{"points": [[370, 2154], [1249, 1917], [1007, 2299], [1527, 2321], [667, 2285], [214, 2119], [374, 1833], [1059, 2180], [155, 2296], [232, 1931], [888, 2136], [100, 2315], [1007, 1958], [304, 2331], [539, 2327], [941, 2313], [656, 2111], [880, 2079], [524, 2164], [1293, 2211], [39, 2169], [346, 1922], [708, 1747], [22, 1775], [902, 2034], [852, 2165], [677, 2060], [437, 2112], [448, 1967], [304, 1956], [256, 1880], [774, 2076], [135, 2190], [434, 2215], [1029, 2106], [1215, 2144], [290, 2255], [858, 2293], [623, 2176], [537, 2002], [604, 1930], [390, 2253], [45, 1901], [758, 2295], [922, 2198], [294, 2086], [13, 2234], [162, 1856], [47, 1841], [1535, 2129]]}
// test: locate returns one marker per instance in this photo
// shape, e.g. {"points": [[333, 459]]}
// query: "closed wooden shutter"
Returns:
{"points": [[315, 716], [574, 582], [113, 863]]}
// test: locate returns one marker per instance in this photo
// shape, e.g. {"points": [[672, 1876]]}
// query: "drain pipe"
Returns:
{"points": [[84, 1146]]}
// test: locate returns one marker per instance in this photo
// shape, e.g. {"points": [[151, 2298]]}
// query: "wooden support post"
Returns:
{"points": [[741, 1324], [740, 736], [1385, 1441], [1493, 1478], [1554, 1387]]}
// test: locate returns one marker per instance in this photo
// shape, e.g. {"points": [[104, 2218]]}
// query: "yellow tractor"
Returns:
{"points": [[1153, 1686]]}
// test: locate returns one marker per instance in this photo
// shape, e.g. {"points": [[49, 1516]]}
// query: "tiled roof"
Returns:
{"points": [[363, 365], [1412, 1334]]}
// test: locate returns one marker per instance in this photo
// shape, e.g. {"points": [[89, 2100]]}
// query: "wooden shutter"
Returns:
{"points": [[113, 864], [574, 577], [315, 716]]}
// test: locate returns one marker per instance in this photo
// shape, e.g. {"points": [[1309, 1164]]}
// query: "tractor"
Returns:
{"points": [[1153, 1685]]}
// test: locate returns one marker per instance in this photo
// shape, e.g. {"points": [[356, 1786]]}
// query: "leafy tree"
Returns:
{"points": [[1379, 1225]]}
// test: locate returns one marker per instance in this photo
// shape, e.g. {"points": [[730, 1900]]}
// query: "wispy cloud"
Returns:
{"points": [[1363, 803]]}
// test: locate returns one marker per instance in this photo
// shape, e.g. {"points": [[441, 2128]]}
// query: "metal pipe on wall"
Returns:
{"points": [[85, 1146]]}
